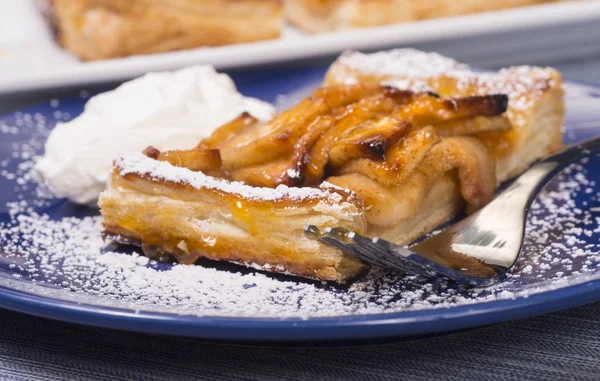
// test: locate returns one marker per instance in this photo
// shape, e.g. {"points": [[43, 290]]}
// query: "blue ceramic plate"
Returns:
{"points": [[54, 264]]}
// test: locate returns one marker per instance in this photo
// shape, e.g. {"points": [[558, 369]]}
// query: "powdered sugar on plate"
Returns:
{"points": [[53, 249]]}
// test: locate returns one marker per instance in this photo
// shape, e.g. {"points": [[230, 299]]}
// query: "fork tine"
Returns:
{"points": [[342, 246], [378, 254], [378, 251], [408, 261], [370, 256], [396, 256], [362, 252], [382, 253]]}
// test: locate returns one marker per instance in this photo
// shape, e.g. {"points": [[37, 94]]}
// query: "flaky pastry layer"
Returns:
{"points": [[174, 211]]}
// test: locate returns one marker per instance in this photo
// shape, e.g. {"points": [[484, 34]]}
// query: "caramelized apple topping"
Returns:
{"points": [[380, 133], [197, 159]]}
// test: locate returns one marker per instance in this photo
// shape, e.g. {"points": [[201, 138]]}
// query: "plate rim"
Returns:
{"points": [[410, 323], [294, 329]]}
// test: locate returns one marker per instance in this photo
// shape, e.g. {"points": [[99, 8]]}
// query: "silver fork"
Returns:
{"points": [[481, 249]]}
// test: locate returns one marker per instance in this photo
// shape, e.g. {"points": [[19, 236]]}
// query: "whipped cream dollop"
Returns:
{"points": [[168, 110]]}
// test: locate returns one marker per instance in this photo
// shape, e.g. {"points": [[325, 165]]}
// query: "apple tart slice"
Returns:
{"points": [[105, 29], [367, 157]]}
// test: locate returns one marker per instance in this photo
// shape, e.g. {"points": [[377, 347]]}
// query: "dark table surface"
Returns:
{"points": [[562, 345]]}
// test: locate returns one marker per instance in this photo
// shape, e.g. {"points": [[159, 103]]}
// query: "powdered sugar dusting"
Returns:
{"points": [[405, 62], [137, 163], [412, 85], [414, 69]]}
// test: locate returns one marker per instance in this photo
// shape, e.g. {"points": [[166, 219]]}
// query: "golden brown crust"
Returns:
{"points": [[101, 29]]}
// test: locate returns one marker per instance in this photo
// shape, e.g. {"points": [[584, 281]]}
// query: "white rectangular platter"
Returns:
{"points": [[31, 60]]}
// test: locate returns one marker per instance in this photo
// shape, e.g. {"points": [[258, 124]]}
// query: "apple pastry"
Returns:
{"points": [[369, 157], [101, 29]]}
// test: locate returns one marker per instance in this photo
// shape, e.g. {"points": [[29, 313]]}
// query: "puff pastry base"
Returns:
{"points": [[172, 211]]}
